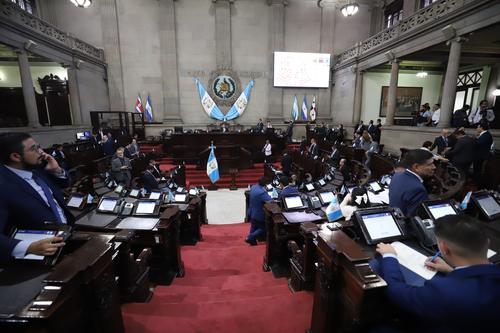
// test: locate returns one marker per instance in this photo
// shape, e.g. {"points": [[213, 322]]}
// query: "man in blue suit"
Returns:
{"points": [[466, 298], [407, 190], [258, 197], [28, 195], [286, 187]]}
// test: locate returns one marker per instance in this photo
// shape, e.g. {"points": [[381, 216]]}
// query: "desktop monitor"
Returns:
{"points": [[487, 205], [378, 225], [181, 197], [439, 209], [293, 202], [321, 182], [134, 193], [107, 205], [375, 186], [155, 195], [309, 187], [193, 191], [326, 197], [83, 135], [119, 189], [145, 207], [76, 201]]}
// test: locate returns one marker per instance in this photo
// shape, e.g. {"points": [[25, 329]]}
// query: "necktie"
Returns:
{"points": [[49, 196]]}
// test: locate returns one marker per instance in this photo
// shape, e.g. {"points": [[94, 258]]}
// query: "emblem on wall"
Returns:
{"points": [[225, 87]]}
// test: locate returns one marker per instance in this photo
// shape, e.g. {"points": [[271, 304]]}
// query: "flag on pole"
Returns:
{"points": [[149, 110], [295, 109], [304, 108], [313, 112], [333, 211], [241, 103], [212, 166], [208, 103], [138, 104]]}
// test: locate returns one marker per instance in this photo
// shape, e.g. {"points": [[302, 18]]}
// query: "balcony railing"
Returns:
{"points": [[12, 14], [421, 19]]}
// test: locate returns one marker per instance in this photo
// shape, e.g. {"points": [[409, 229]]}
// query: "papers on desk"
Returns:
{"points": [[413, 260], [380, 198], [299, 217]]}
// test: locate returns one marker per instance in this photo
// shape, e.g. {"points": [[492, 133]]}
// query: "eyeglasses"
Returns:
{"points": [[34, 148]]}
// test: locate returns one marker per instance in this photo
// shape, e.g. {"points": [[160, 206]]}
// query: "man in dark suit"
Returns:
{"points": [[289, 132], [313, 149], [58, 154], [29, 195], [286, 187], [286, 163], [441, 142], [462, 155], [360, 127], [407, 190], [120, 168], [258, 197], [335, 155], [109, 145], [466, 298], [260, 126], [149, 181], [483, 146]]}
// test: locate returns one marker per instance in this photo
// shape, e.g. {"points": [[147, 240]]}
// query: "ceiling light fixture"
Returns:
{"points": [[81, 3], [421, 74], [349, 9]]}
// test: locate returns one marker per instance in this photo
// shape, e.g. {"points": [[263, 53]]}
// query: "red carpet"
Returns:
{"points": [[224, 290]]}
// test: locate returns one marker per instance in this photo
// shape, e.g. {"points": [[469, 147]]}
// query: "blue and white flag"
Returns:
{"points": [[208, 103], [465, 202], [333, 212], [313, 113], [295, 109], [171, 197], [212, 166], [304, 108], [241, 103], [274, 193], [149, 110]]}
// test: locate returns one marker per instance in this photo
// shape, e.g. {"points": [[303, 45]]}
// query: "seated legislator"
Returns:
{"points": [[466, 298], [29, 196], [407, 190], [149, 180], [120, 168], [258, 197], [286, 187]]}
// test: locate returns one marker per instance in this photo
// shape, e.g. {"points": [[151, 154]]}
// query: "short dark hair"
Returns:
{"points": [[11, 142], [484, 125], [483, 101], [416, 156], [284, 180], [465, 232], [262, 181], [427, 144]]}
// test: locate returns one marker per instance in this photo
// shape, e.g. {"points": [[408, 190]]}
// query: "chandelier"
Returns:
{"points": [[349, 9], [81, 3]]}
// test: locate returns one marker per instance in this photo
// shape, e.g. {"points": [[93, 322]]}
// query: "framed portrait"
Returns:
{"points": [[408, 101]]}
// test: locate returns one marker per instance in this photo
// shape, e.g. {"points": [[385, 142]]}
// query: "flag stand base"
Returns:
{"points": [[233, 173], [212, 187]]}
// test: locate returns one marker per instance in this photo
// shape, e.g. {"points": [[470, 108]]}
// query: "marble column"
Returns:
{"points": [[327, 32], [276, 43], [391, 96], [450, 82], [74, 95], [28, 90], [169, 63], [358, 97], [111, 42], [223, 33]]}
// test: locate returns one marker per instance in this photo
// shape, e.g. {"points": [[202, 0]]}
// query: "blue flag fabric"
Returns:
{"points": [[241, 103], [212, 166], [208, 103], [333, 212], [304, 108], [149, 110], [295, 109]]}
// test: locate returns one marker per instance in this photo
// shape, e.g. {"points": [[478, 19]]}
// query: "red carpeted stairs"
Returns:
{"points": [[224, 290]]}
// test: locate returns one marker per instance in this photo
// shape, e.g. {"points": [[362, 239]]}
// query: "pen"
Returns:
{"points": [[434, 257]]}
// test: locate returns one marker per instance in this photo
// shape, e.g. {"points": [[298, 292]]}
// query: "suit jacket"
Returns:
{"points": [[314, 150], [22, 207], [462, 155], [440, 143], [406, 192], [149, 181], [335, 155], [286, 164], [483, 146], [287, 190], [258, 197], [109, 147], [121, 176], [465, 300]]}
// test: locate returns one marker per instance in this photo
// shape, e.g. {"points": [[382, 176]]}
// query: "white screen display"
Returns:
{"points": [[134, 193], [119, 188], [180, 198], [33, 236], [193, 191], [75, 202], [322, 182], [326, 197], [381, 225], [307, 70], [145, 207], [155, 195], [375, 186], [441, 210], [293, 202], [489, 205], [108, 205], [309, 187], [180, 189]]}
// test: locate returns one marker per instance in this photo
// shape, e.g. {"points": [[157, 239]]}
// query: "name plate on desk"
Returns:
{"points": [[299, 217]]}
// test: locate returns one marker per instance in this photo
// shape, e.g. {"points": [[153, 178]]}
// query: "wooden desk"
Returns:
{"points": [[80, 292]]}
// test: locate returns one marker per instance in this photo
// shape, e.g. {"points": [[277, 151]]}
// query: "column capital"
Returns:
{"points": [[457, 40], [395, 61], [327, 3], [277, 2]]}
